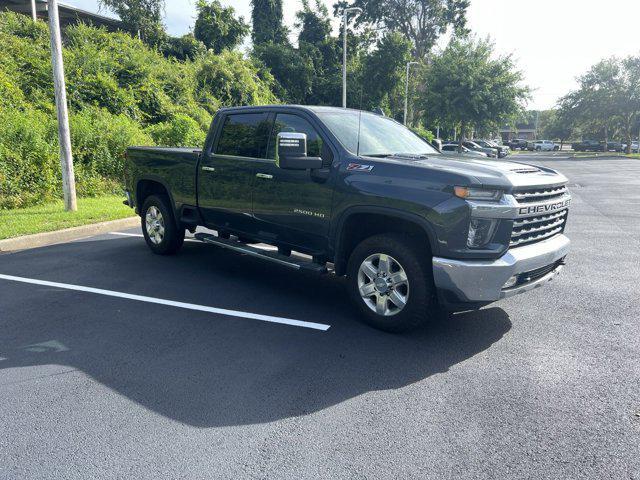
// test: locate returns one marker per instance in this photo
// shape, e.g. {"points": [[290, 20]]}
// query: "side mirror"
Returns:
{"points": [[291, 152]]}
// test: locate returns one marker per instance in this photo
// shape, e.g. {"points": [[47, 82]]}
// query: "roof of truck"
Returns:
{"points": [[312, 108]]}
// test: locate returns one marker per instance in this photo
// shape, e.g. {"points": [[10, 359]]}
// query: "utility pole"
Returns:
{"points": [[33, 10], [345, 14], [64, 137], [406, 92]]}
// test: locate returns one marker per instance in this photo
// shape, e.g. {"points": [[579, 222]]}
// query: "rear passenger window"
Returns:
{"points": [[244, 135], [293, 123]]}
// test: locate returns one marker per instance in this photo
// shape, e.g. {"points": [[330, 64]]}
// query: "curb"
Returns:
{"points": [[68, 234]]}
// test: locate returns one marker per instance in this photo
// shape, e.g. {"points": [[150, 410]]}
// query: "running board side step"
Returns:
{"points": [[273, 257]]}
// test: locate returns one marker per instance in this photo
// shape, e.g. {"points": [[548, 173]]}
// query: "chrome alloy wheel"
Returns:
{"points": [[383, 284], [154, 222]]}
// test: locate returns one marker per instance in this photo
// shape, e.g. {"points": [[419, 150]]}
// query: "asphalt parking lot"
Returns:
{"points": [[544, 385]]}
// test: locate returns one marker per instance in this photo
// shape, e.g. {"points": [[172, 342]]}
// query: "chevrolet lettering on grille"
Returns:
{"points": [[550, 207]]}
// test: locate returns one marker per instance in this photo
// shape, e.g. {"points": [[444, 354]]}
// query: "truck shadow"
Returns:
{"points": [[206, 370]]}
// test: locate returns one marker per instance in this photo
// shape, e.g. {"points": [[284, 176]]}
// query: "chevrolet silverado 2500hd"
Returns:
{"points": [[413, 230]]}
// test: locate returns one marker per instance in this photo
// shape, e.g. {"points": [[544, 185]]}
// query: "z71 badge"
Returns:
{"points": [[359, 167]]}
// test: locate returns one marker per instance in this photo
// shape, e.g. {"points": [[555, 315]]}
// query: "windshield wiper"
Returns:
{"points": [[415, 156]]}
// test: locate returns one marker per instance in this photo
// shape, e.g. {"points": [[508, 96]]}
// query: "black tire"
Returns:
{"points": [[421, 304], [172, 237]]}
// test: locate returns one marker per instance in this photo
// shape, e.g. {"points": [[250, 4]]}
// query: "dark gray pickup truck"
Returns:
{"points": [[358, 195]]}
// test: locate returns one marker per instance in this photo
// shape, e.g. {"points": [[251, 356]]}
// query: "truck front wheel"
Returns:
{"points": [[159, 226], [390, 281]]}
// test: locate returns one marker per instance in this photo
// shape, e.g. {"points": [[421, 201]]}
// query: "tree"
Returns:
{"points": [[314, 25], [608, 97], [384, 71], [629, 97], [421, 21], [595, 100], [468, 87], [142, 17], [217, 27], [185, 47], [322, 51], [560, 125], [292, 71], [266, 17]]}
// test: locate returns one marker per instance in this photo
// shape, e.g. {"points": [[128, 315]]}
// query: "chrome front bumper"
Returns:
{"points": [[482, 281]]}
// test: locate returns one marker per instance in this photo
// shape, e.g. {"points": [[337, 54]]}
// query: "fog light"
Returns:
{"points": [[511, 282], [480, 232]]}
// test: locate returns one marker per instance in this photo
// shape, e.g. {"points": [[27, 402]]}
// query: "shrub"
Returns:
{"points": [[100, 139], [181, 131], [28, 158]]}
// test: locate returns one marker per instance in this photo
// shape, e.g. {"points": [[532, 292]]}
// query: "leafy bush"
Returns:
{"points": [[100, 139], [181, 131], [28, 156]]}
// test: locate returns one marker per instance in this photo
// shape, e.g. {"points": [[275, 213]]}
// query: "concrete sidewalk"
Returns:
{"points": [[66, 235]]}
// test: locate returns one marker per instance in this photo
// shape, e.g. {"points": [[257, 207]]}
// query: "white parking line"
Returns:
{"points": [[171, 303], [125, 234]]}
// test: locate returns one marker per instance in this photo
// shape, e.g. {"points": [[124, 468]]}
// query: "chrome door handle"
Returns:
{"points": [[264, 175], [209, 169]]}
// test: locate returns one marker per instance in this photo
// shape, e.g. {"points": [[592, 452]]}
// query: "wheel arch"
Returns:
{"points": [[359, 223], [147, 186]]}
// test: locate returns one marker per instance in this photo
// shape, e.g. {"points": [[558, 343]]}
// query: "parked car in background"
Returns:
{"points": [[503, 150], [616, 146], [544, 146], [452, 149], [587, 146], [489, 151], [517, 144], [596, 146]]}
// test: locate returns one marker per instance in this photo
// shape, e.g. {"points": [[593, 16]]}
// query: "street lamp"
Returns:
{"points": [[406, 91], [345, 13]]}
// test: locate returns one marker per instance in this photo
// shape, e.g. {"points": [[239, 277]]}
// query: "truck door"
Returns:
{"points": [[294, 206], [226, 174]]}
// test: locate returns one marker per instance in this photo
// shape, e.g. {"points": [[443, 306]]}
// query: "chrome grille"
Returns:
{"points": [[534, 229], [539, 194]]}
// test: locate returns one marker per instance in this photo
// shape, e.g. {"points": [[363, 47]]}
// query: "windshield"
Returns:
{"points": [[367, 134]]}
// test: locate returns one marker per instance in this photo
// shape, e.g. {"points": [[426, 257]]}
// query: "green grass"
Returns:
{"points": [[603, 154], [52, 216]]}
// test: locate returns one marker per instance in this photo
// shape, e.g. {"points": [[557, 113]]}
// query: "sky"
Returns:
{"points": [[552, 41]]}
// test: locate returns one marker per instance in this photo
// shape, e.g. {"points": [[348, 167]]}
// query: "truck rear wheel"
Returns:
{"points": [[390, 281], [159, 226]]}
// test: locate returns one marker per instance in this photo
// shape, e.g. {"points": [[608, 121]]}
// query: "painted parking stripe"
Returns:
{"points": [[125, 234], [171, 303]]}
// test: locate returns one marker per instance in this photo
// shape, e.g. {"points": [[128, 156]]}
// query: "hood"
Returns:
{"points": [[487, 172]]}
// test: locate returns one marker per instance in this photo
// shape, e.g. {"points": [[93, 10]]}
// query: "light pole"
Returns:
{"points": [[66, 160], [345, 14], [406, 91]]}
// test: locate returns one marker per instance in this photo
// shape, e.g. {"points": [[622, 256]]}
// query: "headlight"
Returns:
{"points": [[480, 232], [471, 193]]}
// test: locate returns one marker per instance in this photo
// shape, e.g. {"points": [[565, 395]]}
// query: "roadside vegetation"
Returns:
{"points": [[121, 92]]}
